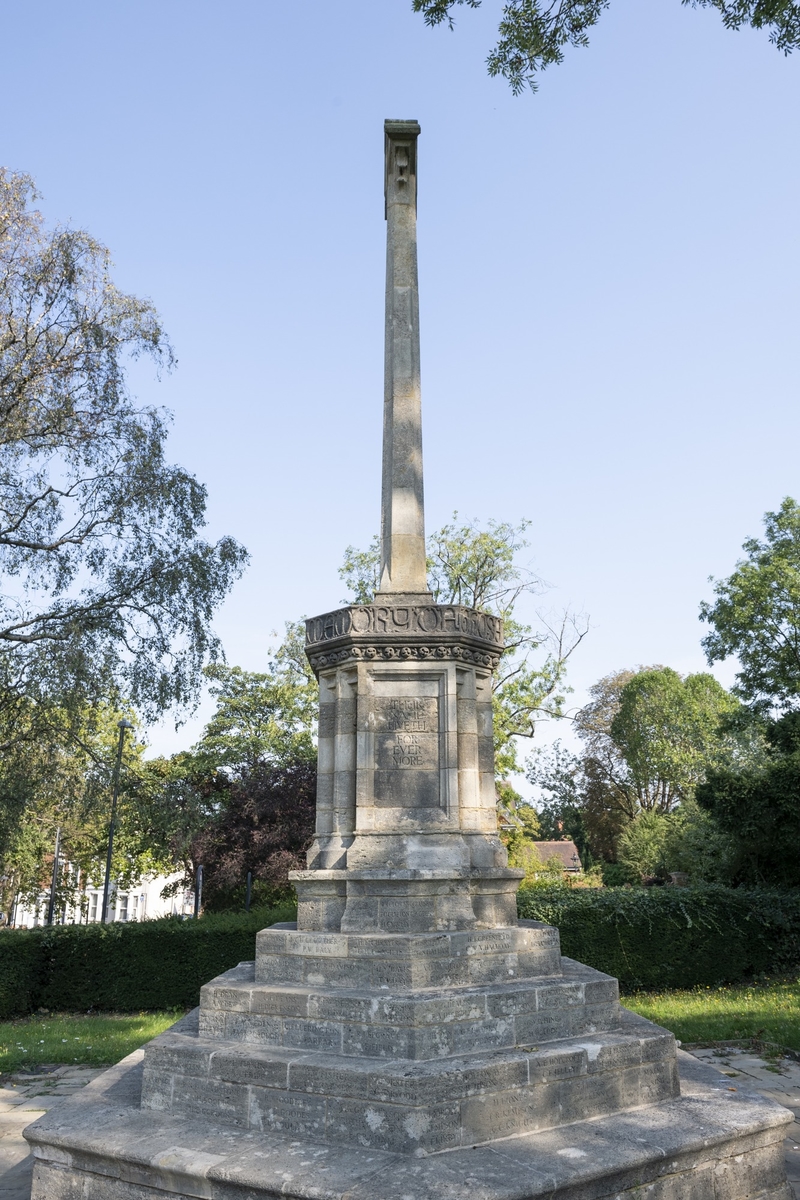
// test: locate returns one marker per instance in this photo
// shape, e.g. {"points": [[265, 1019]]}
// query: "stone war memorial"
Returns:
{"points": [[409, 1038]]}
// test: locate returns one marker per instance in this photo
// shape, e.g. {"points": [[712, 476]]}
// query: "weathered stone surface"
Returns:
{"points": [[446, 959], [100, 1145], [421, 1072], [416, 1024]]}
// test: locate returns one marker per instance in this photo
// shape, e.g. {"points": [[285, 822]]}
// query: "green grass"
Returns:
{"points": [[65, 1038], [768, 1011]]}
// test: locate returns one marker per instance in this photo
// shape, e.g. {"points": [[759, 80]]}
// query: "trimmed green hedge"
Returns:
{"points": [[124, 968], [647, 937], [671, 937]]}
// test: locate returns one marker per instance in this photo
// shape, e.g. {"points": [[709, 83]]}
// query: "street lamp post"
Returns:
{"points": [[51, 908], [123, 726], [198, 891]]}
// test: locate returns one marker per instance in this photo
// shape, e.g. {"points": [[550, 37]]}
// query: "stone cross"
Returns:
{"points": [[402, 504]]}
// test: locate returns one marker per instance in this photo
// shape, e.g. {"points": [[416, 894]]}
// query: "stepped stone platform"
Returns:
{"points": [[712, 1142], [410, 1044]]}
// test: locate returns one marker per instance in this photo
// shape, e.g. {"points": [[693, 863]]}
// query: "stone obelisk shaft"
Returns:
{"points": [[402, 506]]}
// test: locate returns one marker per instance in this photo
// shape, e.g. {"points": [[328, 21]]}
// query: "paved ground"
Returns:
{"points": [[23, 1096], [778, 1078]]}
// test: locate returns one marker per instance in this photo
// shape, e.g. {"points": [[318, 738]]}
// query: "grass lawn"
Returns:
{"points": [[65, 1038], [768, 1011]]}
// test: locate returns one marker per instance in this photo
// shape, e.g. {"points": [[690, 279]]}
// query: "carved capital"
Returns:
{"points": [[401, 162], [383, 653], [404, 632]]}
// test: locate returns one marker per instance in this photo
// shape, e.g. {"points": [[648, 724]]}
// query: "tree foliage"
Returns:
{"points": [[557, 774], [758, 808], [651, 734], [649, 738], [480, 568], [107, 585], [265, 827], [262, 717], [202, 803], [533, 33], [756, 614], [64, 782]]}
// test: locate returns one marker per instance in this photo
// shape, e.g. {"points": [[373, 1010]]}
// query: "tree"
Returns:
{"points": [[479, 568], [262, 717], [558, 775], [109, 589], [756, 614], [265, 827], [649, 738], [651, 734], [758, 808], [533, 34], [642, 845], [669, 731], [65, 783], [203, 802]]}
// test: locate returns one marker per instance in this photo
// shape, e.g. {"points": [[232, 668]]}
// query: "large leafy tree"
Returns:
{"points": [[63, 782], [108, 587], [651, 734], [756, 614], [668, 731], [649, 738], [262, 717], [218, 803], [480, 568], [534, 33]]}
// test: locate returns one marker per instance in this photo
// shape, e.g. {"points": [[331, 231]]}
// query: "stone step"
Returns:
{"points": [[416, 1025], [411, 1107], [712, 1141], [378, 961]]}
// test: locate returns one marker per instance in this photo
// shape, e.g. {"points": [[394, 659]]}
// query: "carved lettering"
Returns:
{"points": [[404, 619], [318, 946], [361, 620]]}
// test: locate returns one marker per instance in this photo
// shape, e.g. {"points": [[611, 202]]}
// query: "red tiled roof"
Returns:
{"points": [[566, 851]]}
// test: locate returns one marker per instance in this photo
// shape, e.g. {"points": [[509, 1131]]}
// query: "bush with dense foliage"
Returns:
{"points": [[124, 968], [673, 937]]}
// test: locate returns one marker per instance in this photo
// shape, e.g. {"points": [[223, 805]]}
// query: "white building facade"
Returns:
{"points": [[140, 903]]}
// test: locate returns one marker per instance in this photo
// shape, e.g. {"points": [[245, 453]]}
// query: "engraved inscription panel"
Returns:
{"points": [[406, 751], [404, 620]]}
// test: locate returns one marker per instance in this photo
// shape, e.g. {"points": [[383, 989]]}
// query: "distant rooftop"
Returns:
{"points": [[566, 851]]}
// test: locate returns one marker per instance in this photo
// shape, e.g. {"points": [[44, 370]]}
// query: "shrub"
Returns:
{"points": [[124, 968], [673, 937]]}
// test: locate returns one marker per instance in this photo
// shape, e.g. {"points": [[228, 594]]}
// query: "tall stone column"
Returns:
{"points": [[406, 837], [402, 499]]}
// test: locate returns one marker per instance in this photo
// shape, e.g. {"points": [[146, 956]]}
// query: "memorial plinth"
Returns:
{"points": [[409, 1038], [406, 837]]}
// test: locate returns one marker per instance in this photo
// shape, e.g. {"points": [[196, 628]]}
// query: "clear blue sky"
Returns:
{"points": [[610, 276]]}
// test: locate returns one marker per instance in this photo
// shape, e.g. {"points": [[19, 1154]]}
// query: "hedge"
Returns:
{"points": [[647, 937], [671, 937], [124, 967]]}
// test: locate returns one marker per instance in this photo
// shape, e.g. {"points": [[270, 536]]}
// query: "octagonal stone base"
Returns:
{"points": [[711, 1143]]}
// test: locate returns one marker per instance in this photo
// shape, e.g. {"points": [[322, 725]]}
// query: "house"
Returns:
{"points": [[566, 851], [139, 903]]}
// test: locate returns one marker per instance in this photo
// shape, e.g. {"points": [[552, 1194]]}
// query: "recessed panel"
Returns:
{"points": [[407, 748]]}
